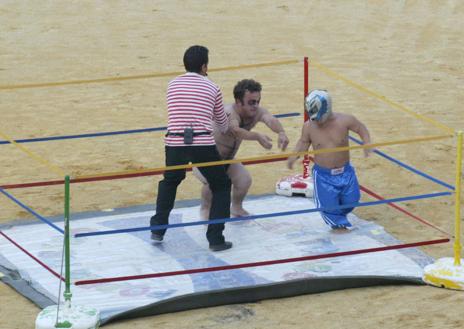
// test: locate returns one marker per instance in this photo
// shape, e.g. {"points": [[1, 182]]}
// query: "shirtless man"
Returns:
{"points": [[335, 181], [244, 114]]}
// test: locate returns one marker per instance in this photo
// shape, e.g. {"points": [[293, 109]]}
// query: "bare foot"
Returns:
{"points": [[238, 212]]}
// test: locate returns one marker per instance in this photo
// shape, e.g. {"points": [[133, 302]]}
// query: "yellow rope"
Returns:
{"points": [[252, 66], [52, 167], [58, 170], [265, 157], [381, 97], [323, 68], [141, 76]]}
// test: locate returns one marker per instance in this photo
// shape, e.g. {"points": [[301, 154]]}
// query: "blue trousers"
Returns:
{"points": [[334, 188]]}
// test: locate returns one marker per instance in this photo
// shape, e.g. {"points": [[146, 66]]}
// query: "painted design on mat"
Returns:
{"points": [[179, 241], [132, 254]]}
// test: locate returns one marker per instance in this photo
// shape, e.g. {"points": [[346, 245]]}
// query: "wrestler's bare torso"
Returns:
{"points": [[330, 134], [228, 144]]}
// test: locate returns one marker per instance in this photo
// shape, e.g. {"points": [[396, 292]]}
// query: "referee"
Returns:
{"points": [[194, 103]]}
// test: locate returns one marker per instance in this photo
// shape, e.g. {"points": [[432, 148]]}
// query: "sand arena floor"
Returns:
{"points": [[407, 51]]}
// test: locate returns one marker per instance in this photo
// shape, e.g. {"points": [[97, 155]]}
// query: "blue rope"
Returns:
{"points": [[22, 205], [216, 221], [111, 133], [287, 115], [269, 215], [402, 164]]}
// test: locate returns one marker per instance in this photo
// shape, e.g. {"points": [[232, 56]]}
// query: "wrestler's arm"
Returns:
{"points": [[244, 134], [303, 144], [359, 128], [274, 124]]}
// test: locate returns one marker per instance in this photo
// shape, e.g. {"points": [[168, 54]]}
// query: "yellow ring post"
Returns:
{"points": [[449, 272], [457, 203]]}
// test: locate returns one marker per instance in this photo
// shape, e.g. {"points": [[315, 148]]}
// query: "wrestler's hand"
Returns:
{"points": [[265, 141], [367, 152], [291, 161], [282, 141]]}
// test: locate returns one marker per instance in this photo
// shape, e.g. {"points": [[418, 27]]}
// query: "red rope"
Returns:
{"points": [[261, 263], [158, 172], [111, 177], [33, 184], [404, 211], [228, 267], [375, 195], [32, 256]]}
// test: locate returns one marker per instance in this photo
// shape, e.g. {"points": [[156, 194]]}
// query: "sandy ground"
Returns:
{"points": [[410, 52]]}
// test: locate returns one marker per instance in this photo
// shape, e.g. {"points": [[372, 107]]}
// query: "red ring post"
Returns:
{"points": [[305, 115]]}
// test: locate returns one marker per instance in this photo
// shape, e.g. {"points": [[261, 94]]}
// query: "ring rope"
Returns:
{"points": [[86, 180], [158, 172], [142, 76], [404, 211], [361, 251], [90, 135], [57, 170], [383, 98], [22, 205], [198, 165], [260, 263], [261, 216], [238, 266], [406, 166], [112, 133], [265, 157], [32, 256]]}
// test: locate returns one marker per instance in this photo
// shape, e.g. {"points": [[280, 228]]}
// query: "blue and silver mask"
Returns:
{"points": [[318, 105]]}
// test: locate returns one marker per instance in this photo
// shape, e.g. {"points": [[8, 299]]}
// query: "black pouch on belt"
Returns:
{"points": [[188, 136]]}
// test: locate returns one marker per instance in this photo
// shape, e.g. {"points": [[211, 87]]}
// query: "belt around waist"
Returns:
{"points": [[194, 134], [333, 171]]}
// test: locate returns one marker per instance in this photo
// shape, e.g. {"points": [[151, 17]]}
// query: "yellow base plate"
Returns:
{"points": [[445, 274]]}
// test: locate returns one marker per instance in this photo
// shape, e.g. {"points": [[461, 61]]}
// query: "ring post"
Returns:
{"points": [[67, 251], [67, 315], [300, 184], [305, 116], [449, 272], [457, 203]]}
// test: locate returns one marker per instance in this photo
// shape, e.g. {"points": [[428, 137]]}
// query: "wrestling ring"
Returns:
{"points": [[283, 249]]}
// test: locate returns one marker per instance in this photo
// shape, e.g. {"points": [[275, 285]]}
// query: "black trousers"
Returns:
{"points": [[216, 176]]}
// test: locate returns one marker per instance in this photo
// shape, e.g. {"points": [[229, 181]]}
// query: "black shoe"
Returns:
{"points": [[156, 237], [220, 247]]}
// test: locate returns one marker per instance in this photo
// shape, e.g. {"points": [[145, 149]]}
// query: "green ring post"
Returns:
{"points": [[67, 250]]}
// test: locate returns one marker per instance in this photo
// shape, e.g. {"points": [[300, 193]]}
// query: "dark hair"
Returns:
{"points": [[244, 85], [195, 57]]}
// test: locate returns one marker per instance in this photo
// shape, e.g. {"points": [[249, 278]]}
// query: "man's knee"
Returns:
{"points": [[242, 183], [239, 176]]}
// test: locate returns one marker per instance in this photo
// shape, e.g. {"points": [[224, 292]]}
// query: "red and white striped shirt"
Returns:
{"points": [[194, 101]]}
